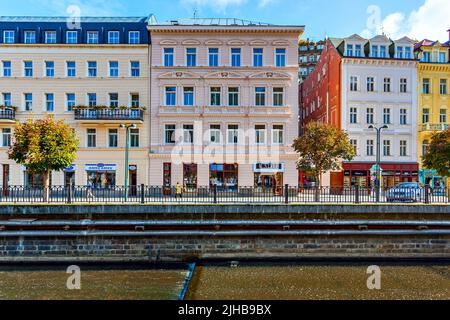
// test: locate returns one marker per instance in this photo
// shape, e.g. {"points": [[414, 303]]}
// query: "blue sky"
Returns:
{"points": [[337, 18]]}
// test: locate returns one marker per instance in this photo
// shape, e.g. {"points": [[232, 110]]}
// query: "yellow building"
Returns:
{"points": [[434, 98]]}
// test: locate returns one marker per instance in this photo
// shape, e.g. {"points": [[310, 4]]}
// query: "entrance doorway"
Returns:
{"points": [[133, 180], [5, 179], [269, 182], [69, 178], [167, 179]]}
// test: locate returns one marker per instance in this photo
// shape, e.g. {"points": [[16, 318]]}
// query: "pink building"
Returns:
{"points": [[224, 104]]}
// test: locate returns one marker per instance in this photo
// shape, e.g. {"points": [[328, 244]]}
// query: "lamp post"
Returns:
{"points": [[378, 178], [127, 154]]}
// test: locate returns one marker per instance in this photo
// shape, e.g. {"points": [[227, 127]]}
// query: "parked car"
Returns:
{"points": [[410, 191]]}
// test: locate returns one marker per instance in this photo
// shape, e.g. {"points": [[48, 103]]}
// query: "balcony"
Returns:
{"points": [[225, 111], [431, 127], [7, 115], [109, 115]]}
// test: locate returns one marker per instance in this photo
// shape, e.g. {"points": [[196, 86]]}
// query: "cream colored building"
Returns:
{"points": [[224, 104], [46, 67]]}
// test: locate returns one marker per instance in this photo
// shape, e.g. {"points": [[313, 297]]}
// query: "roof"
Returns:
{"points": [[213, 22], [82, 19], [430, 43]]}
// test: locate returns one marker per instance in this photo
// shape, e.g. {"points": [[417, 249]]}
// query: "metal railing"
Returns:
{"points": [[212, 195], [7, 114], [109, 114], [433, 127]]}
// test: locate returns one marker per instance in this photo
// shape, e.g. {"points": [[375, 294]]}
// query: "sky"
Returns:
{"points": [[417, 19]]}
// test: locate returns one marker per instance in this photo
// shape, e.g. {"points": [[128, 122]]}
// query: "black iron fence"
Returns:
{"points": [[7, 114], [109, 114], [242, 195]]}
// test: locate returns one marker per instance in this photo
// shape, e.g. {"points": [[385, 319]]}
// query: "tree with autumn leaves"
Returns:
{"points": [[322, 148], [43, 146], [438, 153]]}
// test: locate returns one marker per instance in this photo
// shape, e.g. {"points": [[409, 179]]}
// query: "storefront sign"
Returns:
{"points": [[101, 167], [133, 168], [72, 168], [268, 167]]}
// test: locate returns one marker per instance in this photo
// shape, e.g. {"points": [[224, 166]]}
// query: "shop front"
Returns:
{"points": [[432, 179], [359, 174], [224, 176], [269, 177], [190, 177], [69, 175], [101, 176]]}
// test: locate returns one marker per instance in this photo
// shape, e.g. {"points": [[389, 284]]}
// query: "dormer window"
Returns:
{"points": [[399, 52], [30, 37], [442, 57], [374, 51], [382, 51], [349, 50], [407, 53], [92, 37], [426, 56], [358, 50], [50, 37]]}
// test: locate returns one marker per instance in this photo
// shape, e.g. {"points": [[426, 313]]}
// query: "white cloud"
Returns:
{"points": [[87, 7], [265, 3], [216, 5], [429, 21]]}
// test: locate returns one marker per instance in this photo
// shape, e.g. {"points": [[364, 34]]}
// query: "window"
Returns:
{"points": [[233, 96], [426, 116], [113, 37], [135, 69], [280, 57], [403, 85], [260, 134], [370, 148], [443, 116], [135, 100], [92, 69], [28, 101], [387, 84], [188, 133], [215, 96], [399, 53], [134, 37], [6, 137], [71, 69], [403, 116], [278, 94], [49, 102], [213, 57], [370, 84], [188, 96], [353, 115], [425, 147], [171, 96], [382, 51], [9, 36], [354, 144], [233, 134], [387, 148], [426, 86], [374, 52], [113, 69], [70, 97], [114, 100], [30, 37], [257, 57], [91, 138], [49, 69], [358, 50], [113, 138], [443, 86], [7, 99], [353, 83], [134, 138], [28, 69], [407, 53], [260, 96], [426, 56], [303, 72], [7, 71], [442, 57], [215, 134], [386, 116], [191, 57], [349, 50], [92, 99], [403, 148], [71, 37], [278, 134], [92, 37], [169, 134], [369, 116], [235, 57], [50, 37], [168, 57]]}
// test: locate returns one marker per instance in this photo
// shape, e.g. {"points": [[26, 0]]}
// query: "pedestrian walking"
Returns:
{"points": [[178, 191]]}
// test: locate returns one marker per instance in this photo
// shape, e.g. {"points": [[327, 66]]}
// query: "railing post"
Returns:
{"points": [[69, 193], [215, 193], [377, 191], [357, 201], [286, 194], [317, 191], [142, 194], [427, 194], [448, 194]]}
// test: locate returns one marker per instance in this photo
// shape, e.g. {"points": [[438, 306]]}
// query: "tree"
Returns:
{"points": [[438, 153], [43, 146], [322, 148]]}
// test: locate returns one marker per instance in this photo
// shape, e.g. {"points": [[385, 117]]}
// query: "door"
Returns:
{"points": [[167, 178], [133, 180], [5, 184]]}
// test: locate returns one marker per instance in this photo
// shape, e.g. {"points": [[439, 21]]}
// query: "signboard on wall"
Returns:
{"points": [[268, 167], [101, 167]]}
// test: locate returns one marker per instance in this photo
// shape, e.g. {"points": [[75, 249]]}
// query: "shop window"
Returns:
{"points": [[224, 176], [190, 177]]}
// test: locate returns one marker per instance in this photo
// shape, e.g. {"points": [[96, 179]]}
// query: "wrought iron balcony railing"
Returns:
{"points": [[434, 127], [109, 114], [7, 114]]}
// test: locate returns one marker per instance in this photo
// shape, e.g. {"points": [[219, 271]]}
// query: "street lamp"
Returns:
{"points": [[127, 152], [378, 178]]}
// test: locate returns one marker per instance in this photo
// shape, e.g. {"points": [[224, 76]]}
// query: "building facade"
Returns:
{"points": [[309, 55], [224, 95], [94, 74], [434, 99]]}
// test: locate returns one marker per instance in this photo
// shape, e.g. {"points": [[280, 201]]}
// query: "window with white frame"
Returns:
{"points": [[91, 138], [191, 57], [258, 54], [353, 83], [236, 57], [426, 115], [70, 100], [114, 100], [353, 115], [403, 148], [6, 99], [135, 100], [403, 85], [72, 37], [9, 36], [134, 138], [6, 137], [7, 69], [49, 102], [135, 67], [92, 99], [370, 116], [213, 57], [386, 116], [71, 69], [49, 69], [426, 86], [215, 134], [280, 57], [233, 134], [370, 148], [403, 116], [215, 96], [354, 144], [28, 69], [113, 69], [260, 96], [260, 134], [349, 50], [278, 134], [28, 101], [358, 50], [188, 96], [370, 84], [233, 96], [171, 96], [188, 133], [443, 86], [113, 138], [387, 148], [278, 97], [29, 37], [134, 37], [92, 69], [387, 84], [443, 116], [169, 133], [168, 57], [92, 37], [50, 37], [113, 37]]}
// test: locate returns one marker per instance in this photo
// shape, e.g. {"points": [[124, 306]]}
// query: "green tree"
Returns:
{"points": [[43, 146], [322, 148], [438, 154]]}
